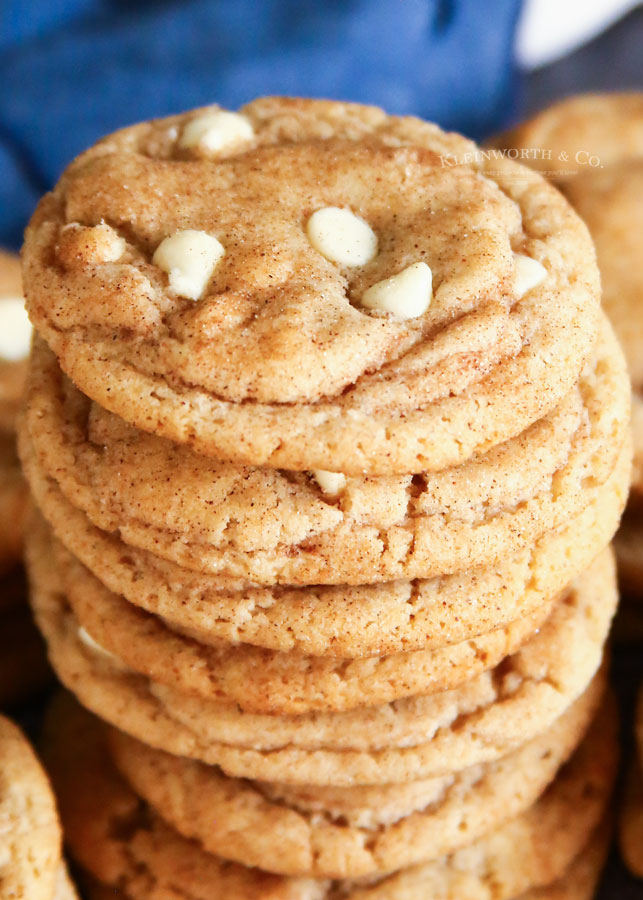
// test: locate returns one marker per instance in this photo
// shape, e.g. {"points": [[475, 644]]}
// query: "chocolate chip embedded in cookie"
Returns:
{"points": [[269, 526], [349, 297]]}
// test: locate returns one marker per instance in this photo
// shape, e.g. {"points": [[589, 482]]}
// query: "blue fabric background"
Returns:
{"points": [[73, 70]]}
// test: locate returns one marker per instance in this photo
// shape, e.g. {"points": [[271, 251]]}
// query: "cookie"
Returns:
{"points": [[610, 201], [268, 681], [237, 356], [577, 883], [480, 721], [268, 526], [580, 881], [64, 889], [30, 856], [15, 338], [346, 832], [122, 842], [608, 195], [343, 621], [578, 133]]}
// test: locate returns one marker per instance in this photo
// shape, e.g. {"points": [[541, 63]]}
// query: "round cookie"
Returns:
{"points": [[577, 883], [609, 198], [604, 127], [277, 361], [480, 721], [142, 855], [30, 854], [343, 621], [64, 889], [269, 526], [268, 681], [346, 832], [610, 201]]}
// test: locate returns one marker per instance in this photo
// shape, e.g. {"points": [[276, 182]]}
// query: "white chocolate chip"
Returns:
{"points": [[407, 295], [89, 244], [85, 638], [15, 329], [341, 236], [189, 257], [528, 274], [331, 483], [107, 243], [216, 130]]}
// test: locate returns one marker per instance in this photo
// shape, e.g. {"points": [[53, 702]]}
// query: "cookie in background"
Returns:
{"points": [[591, 147], [33, 867]]}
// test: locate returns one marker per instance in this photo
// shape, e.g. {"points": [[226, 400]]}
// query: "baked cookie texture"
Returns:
{"points": [[271, 527], [607, 126], [258, 371], [31, 862], [144, 854], [327, 438]]}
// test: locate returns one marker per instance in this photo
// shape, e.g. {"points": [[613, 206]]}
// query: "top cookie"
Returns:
{"points": [[224, 281], [583, 132]]}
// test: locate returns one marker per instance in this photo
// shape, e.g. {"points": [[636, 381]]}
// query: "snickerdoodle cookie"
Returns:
{"points": [[123, 843], [178, 279]]}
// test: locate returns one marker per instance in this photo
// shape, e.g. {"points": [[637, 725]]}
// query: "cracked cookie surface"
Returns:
{"points": [[122, 842], [341, 621], [31, 848], [270, 526], [480, 721], [346, 832]]}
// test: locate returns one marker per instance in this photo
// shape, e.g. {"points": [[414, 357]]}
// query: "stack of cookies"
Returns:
{"points": [[592, 146], [31, 865], [23, 668], [327, 436]]}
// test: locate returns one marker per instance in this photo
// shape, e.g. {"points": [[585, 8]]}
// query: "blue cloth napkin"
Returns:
{"points": [[73, 70]]}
